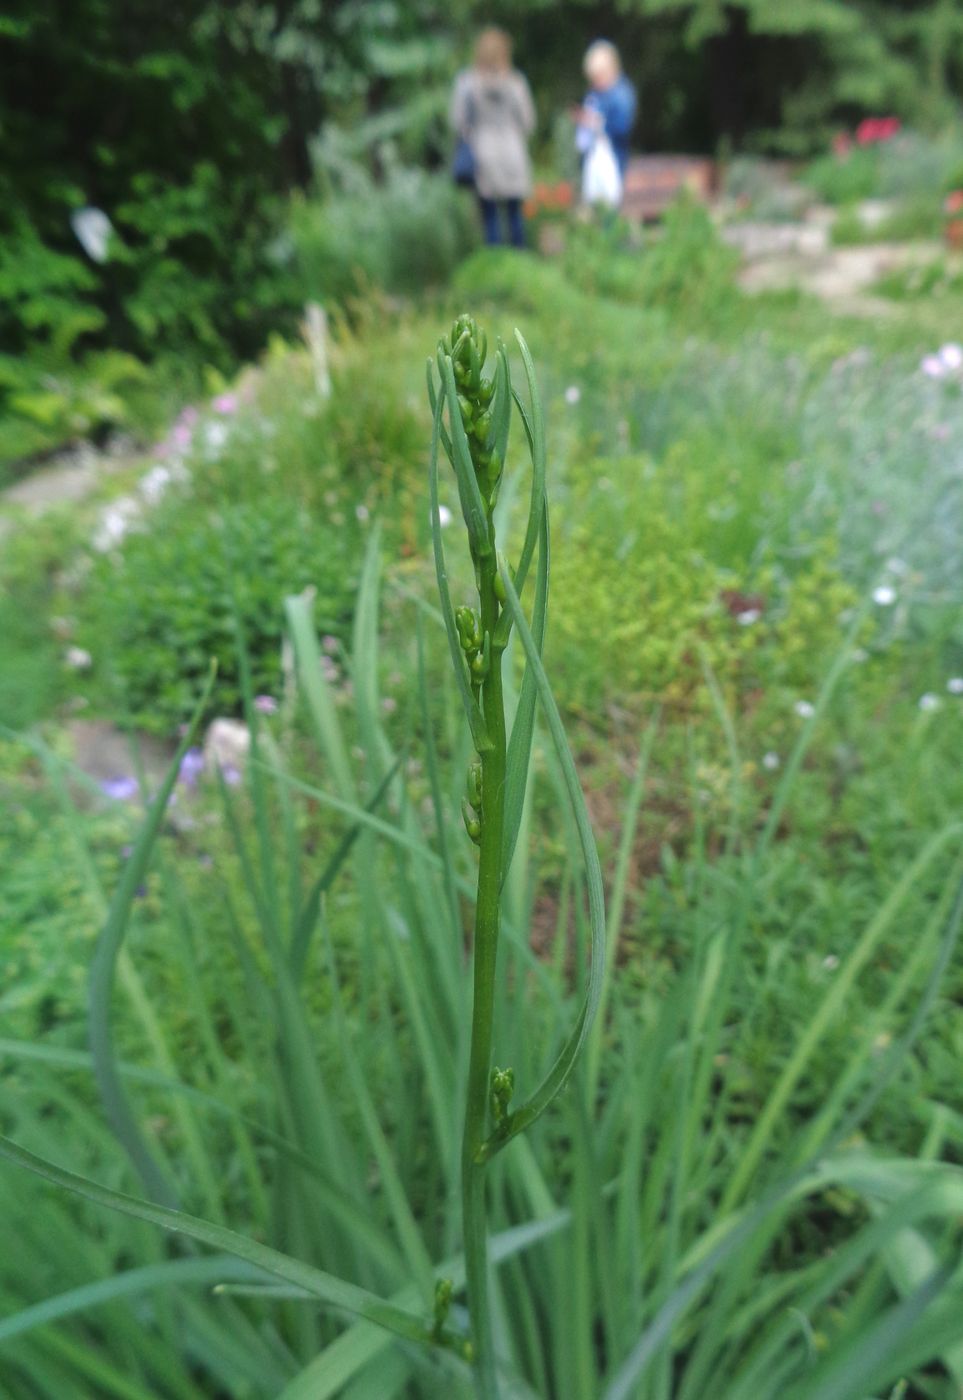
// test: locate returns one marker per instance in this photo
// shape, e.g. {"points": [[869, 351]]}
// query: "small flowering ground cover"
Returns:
{"points": [[756, 646]]}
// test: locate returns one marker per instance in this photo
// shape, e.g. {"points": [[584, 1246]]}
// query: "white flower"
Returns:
{"points": [[747, 618], [951, 356], [155, 483], [215, 436], [572, 394], [444, 516], [114, 523], [955, 685], [770, 761], [362, 512], [830, 962], [79, 659], [93, 229], [884, 596], [929, 701], [804, 709], [933, 366]]}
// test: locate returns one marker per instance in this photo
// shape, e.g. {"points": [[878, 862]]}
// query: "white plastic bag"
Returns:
{"points": [[601, 177]]}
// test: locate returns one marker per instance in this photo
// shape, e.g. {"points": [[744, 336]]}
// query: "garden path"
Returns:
{"points": [[786, 256]]}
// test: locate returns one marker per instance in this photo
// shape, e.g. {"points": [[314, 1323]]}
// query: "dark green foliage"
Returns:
{"points": [[187, 124], [168, 603]]}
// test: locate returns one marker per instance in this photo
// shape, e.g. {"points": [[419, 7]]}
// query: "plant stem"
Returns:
{"points": [[475, 1226]]}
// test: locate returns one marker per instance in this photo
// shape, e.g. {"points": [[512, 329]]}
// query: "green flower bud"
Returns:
{"points": [[475, 784], [486, 391], [502, 1088], [483, 427], [474, 365], [466, 409], [469, 630], [444, 1288], [472, 823]]}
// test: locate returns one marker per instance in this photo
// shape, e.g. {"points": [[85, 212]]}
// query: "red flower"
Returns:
{"points": [[873, 129]]}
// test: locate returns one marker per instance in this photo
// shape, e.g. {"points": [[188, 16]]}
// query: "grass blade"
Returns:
{"points": [[557, 1076], [102, 970]]}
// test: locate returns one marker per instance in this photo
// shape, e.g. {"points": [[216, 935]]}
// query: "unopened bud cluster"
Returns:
{"points": [[473, 643], [468, 347]]}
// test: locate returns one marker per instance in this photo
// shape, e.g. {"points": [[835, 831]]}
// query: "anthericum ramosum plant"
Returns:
{"points": [[475, 440]]}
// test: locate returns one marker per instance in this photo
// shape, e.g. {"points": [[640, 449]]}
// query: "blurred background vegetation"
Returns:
{"points": [[234, 150]]}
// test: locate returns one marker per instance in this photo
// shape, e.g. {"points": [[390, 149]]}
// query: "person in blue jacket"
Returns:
{"points": [[611, 103]]}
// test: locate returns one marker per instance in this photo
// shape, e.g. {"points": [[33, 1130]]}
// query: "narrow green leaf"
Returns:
{"points": [[557, 1076], [518, 758], [536, 432], [308, 917], [432, 399], [103, 966], [130, 1283], [502, 404], [317, 694]]}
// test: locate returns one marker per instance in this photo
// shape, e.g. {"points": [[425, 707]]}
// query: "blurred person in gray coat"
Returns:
{"points": [[493, 116]]}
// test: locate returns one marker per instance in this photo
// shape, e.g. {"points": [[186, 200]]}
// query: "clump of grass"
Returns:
{"points": [[702, 1210]]}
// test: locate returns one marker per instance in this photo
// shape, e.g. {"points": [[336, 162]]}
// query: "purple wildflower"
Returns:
{"points": [[192, 766], [121, 789], [265, 704]]}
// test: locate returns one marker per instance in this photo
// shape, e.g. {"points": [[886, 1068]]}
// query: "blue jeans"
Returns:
{"points": [[491, 221]]}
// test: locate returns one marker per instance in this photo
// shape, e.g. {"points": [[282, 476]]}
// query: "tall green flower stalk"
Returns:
{"points": [[479, 410]]}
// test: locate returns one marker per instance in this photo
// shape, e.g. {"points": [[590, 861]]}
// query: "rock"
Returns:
{"points": [[226, 747]]}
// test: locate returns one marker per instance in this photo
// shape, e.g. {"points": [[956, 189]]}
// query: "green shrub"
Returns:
{"points": [[159, 609], [845, 179], [403, 235]]}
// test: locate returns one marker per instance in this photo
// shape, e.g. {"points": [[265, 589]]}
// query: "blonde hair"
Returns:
{"points": [[601, 56], [493, 51]]}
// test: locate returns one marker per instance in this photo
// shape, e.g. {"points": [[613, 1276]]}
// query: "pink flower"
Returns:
{"points": [[265, 704], [225, 403], [842, 144], [933, 366]]}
